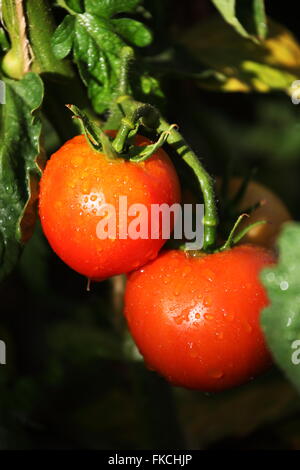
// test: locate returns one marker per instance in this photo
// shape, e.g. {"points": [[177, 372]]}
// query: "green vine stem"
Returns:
{"points": [[41, 26], [62, 84], [134, 112], [210, 219], [230, 240], [126, 59]]}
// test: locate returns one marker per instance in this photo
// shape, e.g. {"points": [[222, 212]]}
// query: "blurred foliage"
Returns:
{"points": [[281, 319], [242, 64], [250, 11], [20, 151]]}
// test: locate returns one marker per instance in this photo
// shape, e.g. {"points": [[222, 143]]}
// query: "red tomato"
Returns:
{"points": [[77, 181], [196, 320]]}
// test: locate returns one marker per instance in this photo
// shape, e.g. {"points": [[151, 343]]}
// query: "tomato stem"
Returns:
{"points": [[230, 240], [210, 219], [96, 137], [244, 232], [133, 112], [126, 58]]}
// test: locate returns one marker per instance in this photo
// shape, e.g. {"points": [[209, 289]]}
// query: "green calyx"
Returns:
{"points": [[95, 136], [121, 146]]}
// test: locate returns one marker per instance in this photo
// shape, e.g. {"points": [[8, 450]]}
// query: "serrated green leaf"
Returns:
{"points": [[96, 41], [96, 50], [62, 39], [109, 8], [281, 320], [20, 129], [133, 31], [249, 12]]}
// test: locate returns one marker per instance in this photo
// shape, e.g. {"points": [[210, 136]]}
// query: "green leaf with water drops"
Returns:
{"points": [[95, 39], [20, 129], [281, 320]]}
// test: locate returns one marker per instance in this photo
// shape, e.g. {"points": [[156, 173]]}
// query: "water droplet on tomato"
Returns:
{"points": [[186, 271], [217, 374], [207, 301], [179, 319], [77, 161], [228, 316], [209, 274], [208, 317], [197, 312]]}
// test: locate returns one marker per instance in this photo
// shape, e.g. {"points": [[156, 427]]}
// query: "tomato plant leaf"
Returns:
{"points": [[133, 31], [239, 14], [252, 14], [20, 129], [75, 5], [281, 319], [273, 64], [109, 8], [96, 41], [62, 39]]}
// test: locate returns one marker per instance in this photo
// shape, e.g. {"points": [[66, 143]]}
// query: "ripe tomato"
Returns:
{"points": [[77, 182], [201, 328], [273, 211]]}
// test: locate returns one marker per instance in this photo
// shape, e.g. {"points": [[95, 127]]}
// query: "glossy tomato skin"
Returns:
{"points": [[196, 320], [77, 181]]}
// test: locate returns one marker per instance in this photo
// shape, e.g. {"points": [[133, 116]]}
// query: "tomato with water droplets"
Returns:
{"points": [[79, 189], [196, 319]]}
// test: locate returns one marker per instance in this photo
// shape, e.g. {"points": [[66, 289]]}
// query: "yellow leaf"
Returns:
{"points": [[273, 64]]}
